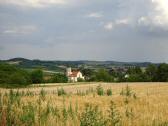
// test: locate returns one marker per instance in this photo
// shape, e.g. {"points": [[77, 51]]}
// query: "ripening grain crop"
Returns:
{"points": [[129, 104]]}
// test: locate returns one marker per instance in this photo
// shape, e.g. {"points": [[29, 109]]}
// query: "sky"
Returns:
{"points": [[115, 30]]}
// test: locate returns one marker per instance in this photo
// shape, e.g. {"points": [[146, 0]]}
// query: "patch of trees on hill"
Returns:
{"points": [[10, 74], [13, 76]]}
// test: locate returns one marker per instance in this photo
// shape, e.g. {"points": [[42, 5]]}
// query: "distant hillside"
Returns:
{"points": [[61, 65], [19, 59]]}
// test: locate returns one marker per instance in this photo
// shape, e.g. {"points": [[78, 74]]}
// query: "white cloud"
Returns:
{"points": [[161, 5], [157, 16], [34, 3], [161, 8], [25, 29], [143, 21], [95, 15], [108, 26], [122, 21], [118, 22]]}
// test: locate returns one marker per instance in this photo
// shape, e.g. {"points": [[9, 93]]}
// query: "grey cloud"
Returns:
{"points": [[26, 29], [77, 32], [1, 47]]}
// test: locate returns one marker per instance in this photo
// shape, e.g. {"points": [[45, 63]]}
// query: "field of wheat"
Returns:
{"points": [[86, 104]]}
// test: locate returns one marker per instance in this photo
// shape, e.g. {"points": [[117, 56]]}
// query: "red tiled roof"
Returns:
{"points": [[74, 74]]}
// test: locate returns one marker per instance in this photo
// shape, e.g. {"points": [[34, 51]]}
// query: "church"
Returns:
{"points": [[73, 76]]}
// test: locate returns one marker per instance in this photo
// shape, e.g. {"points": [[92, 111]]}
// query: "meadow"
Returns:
{"points": [[86, 104]]}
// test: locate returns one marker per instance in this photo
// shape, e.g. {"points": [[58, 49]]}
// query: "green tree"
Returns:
{"points": [[136, 78], [88, 73], [136, 75], [134, 70], [103, 75], [10, 74], [59, 78], [151, 72], [162, 72], [17, 78], [37, 76]]}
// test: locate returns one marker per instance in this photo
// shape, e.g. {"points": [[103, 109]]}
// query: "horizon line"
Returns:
{"points": [[84, 60]]}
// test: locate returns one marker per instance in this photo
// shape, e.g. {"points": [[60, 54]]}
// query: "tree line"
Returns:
{"points": [[13, 75], [152, 73]]}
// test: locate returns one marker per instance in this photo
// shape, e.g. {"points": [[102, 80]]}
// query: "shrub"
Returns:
{"points": [[114, 118], [129, 113], [80, 80], [126, 100], [134, 96], [122, 92], [56, 112], [127, 91], [65, 115], [71, 111], [100, 90], [28, 115], [61, 92], [109, 92], [92, 117], [42, 94]]}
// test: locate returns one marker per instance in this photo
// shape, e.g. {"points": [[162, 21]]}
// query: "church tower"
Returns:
{"points": [[68, 71]]}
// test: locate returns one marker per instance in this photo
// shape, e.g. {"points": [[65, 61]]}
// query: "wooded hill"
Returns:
{"points": [[60, 66]]}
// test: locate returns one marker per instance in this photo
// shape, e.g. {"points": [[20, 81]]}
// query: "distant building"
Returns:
{"points": [[127, 76], [73, 76], [119, 69]]}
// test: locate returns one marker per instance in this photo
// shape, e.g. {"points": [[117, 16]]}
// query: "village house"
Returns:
{"points": [[73, 76]]}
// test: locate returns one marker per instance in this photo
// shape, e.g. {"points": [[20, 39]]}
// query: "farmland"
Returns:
{"points": [[127, 104]]}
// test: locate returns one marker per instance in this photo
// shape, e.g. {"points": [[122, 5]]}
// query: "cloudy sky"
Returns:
{"points": [[122, 30]]}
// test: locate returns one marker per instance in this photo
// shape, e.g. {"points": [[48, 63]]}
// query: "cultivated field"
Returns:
{"points": [[86, 104]]}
